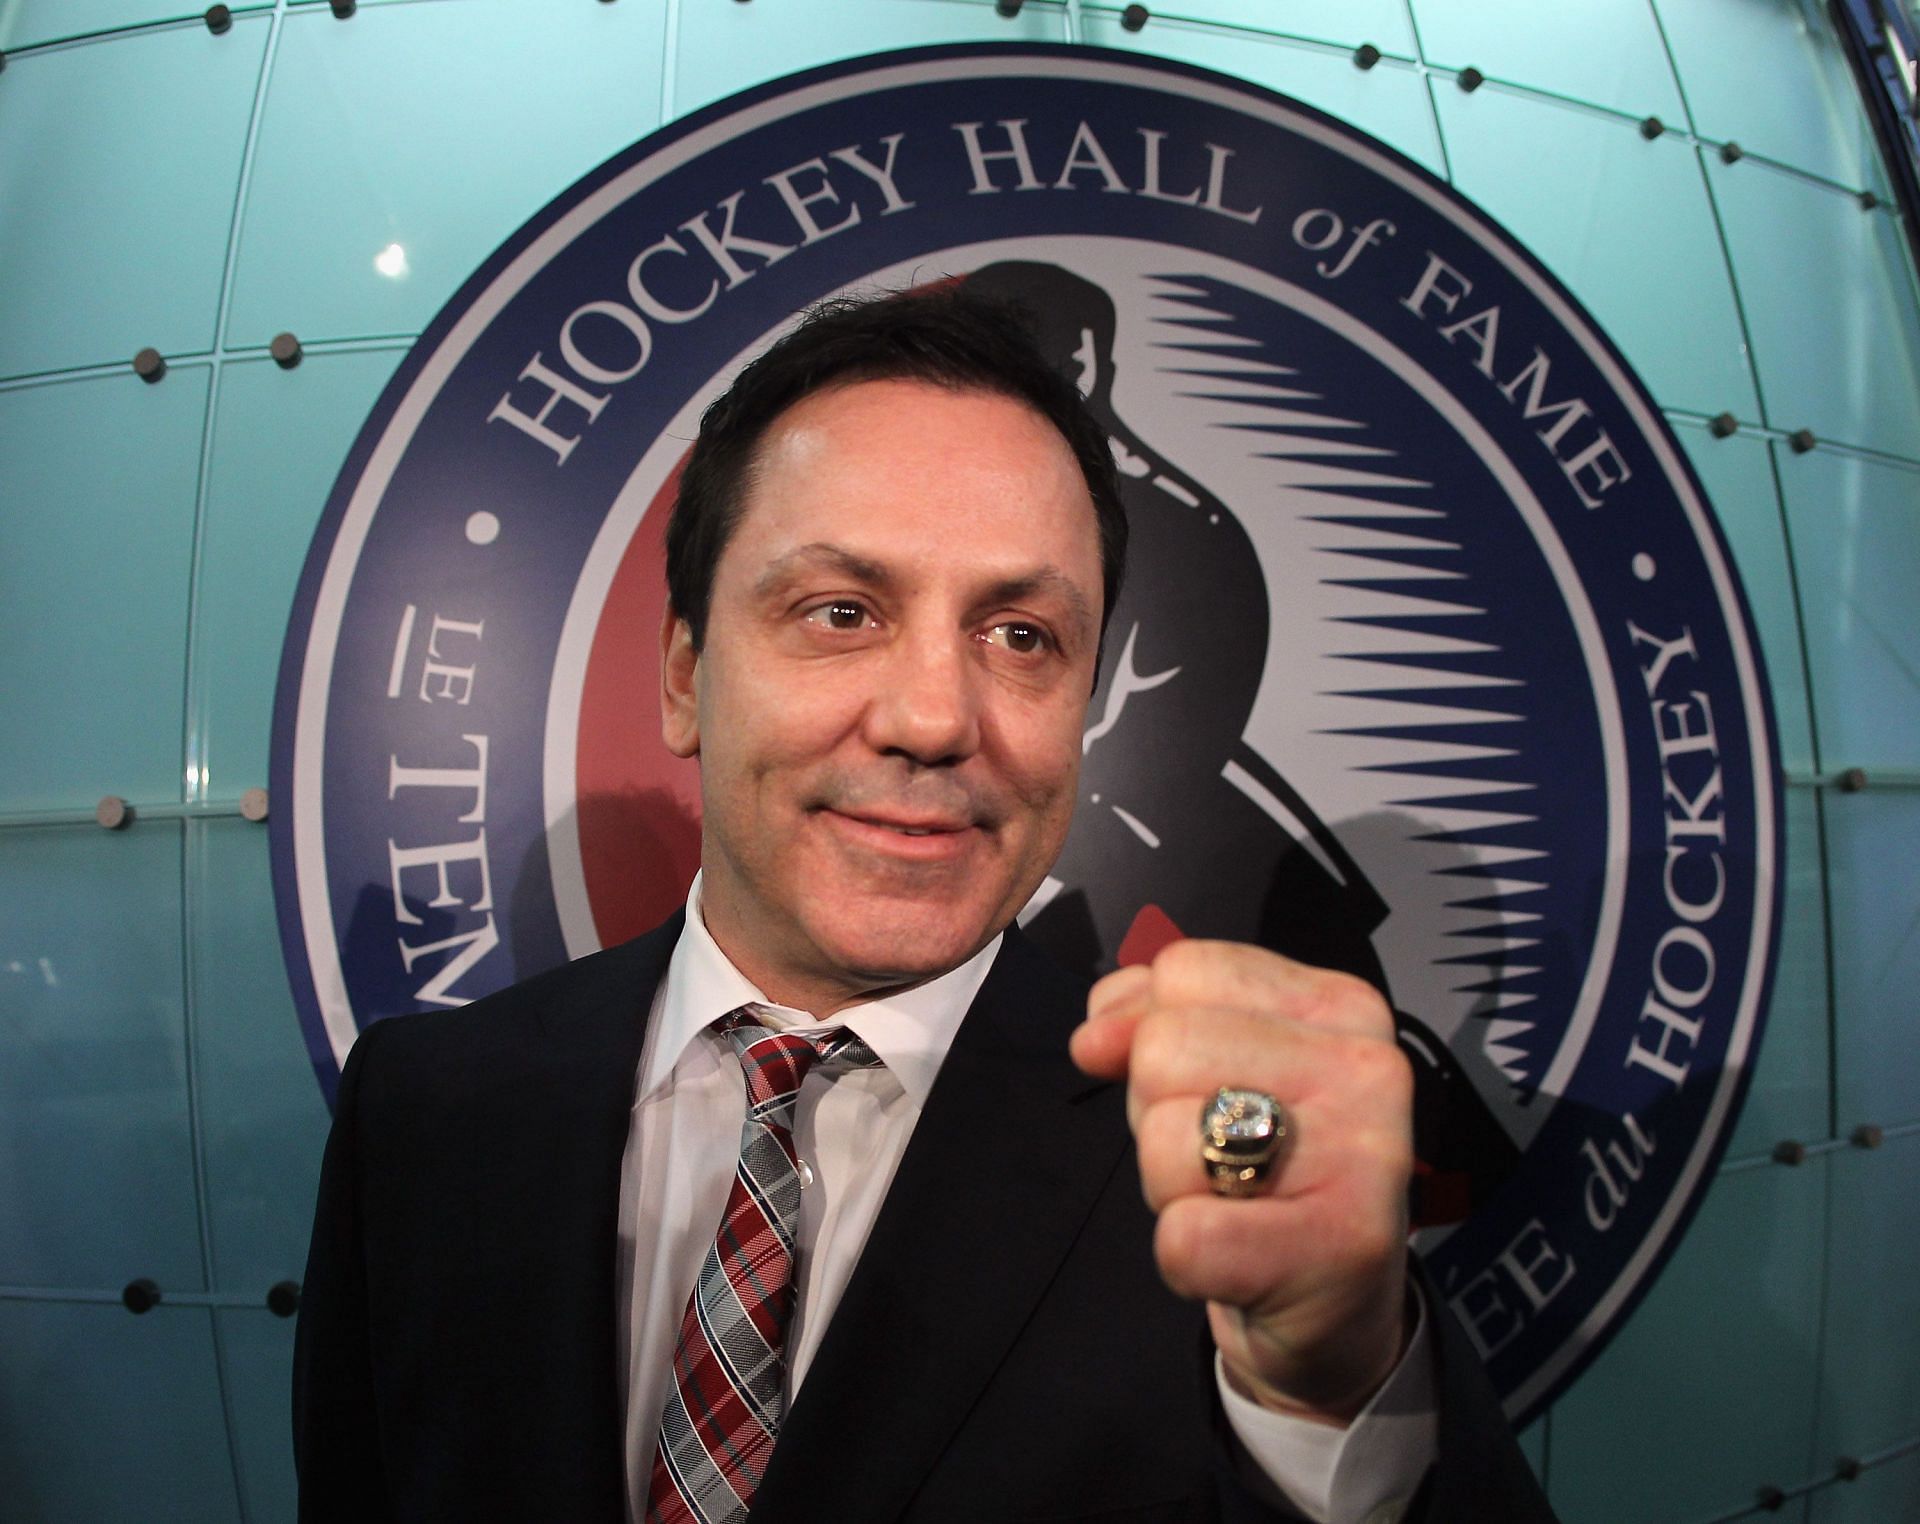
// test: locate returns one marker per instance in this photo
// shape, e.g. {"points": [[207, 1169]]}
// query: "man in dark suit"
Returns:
{"points": [[981, 1270]]}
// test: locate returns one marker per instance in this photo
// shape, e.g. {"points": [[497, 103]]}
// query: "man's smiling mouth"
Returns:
{"points": [[879, 829]]}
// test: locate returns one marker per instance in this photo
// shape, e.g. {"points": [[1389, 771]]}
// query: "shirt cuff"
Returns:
{"points": [[1365, 1473]]}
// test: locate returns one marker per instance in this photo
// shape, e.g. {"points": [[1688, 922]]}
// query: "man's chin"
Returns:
{"points": [[903, 952]]}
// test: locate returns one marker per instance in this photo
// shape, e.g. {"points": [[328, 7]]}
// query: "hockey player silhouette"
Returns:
{"points": [[1169, 840]]}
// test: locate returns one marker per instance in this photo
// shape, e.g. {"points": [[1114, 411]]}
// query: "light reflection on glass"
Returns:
{"points": [[391, 261]]}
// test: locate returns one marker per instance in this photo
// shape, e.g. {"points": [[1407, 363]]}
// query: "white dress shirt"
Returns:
{"points": [[850, 1129]]}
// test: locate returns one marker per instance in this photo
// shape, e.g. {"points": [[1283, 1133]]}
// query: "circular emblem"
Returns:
{"points": [[1431, 667]]}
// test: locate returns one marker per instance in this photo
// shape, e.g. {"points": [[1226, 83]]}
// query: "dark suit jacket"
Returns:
{"points": [[1004, 1349]]}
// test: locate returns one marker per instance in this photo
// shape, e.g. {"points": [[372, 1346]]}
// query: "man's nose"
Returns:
{"points": [[926, 702]]}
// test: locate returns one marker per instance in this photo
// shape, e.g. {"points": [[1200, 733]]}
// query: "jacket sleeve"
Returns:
{"points": [[336, 1444], [1480, 1472]]}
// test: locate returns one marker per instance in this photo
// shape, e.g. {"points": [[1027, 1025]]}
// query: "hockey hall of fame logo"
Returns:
{"points": [[1431, 665]]}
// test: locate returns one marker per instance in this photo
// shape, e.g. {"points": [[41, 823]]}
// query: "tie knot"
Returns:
{"points": [[775, 1063]]}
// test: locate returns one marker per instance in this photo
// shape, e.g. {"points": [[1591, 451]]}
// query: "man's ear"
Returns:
{"points": [[679, 686]]}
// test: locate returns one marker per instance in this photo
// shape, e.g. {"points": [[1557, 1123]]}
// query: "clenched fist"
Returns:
{"points": [[1305, 1283]]}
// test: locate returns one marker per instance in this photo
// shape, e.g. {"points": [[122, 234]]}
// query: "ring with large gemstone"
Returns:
{"points": [[1242, 1135]]}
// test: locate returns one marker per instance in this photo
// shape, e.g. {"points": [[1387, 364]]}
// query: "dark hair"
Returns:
{"points": [[943, 334]]}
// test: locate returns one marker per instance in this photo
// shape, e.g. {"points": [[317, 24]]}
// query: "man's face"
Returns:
{"points": [[888, 708]]}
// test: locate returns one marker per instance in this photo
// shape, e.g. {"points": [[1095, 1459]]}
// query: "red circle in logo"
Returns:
{"points": [[638, 804]]}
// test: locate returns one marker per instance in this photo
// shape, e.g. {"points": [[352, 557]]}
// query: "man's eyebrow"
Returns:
{"points": [[1043, 580], [821, 555], [816, 556]]}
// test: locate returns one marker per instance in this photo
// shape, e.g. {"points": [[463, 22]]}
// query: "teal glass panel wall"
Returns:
{"points": [[1389, 97], [1772, 79], [720, 49], [1595, 200], [117, 211], [394, 133], [95, 1131], [1383, 23], [1596, 52], [1674, 1387], [278, 438], [165, 185], [111, 1416], [27, 23], [79, 455]]}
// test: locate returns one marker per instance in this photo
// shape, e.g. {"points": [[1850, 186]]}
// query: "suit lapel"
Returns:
{"points": [[561, 1175], [1004, 1165]]}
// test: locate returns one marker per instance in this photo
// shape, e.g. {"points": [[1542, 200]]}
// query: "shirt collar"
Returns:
{"points": [[909, 1031]]}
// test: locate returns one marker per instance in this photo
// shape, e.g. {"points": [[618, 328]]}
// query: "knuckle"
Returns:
{"points": [[1351, 995], [1179, 968], [1389, 1074], [1378, 1063], [1357, 1060], [1158, 1044]]}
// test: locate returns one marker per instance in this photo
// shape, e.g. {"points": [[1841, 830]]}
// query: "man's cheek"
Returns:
{"points": [[1059, 783]]}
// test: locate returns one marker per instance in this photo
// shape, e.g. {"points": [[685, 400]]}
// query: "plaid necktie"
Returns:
{"points": [[729, 1362]]}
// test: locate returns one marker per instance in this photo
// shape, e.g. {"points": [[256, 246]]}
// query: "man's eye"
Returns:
{"points": [[1024, 639], [843, 614]]}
